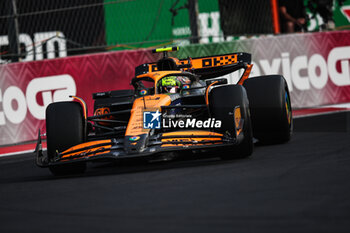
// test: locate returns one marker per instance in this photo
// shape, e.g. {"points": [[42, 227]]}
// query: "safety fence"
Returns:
{"points": [[45, 29]]}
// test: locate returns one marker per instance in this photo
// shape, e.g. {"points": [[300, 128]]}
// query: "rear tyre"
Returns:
{"points": [[270, 107], [222, 102], [65, 127]]}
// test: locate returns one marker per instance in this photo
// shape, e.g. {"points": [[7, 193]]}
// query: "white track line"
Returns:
{"points": [[18, 152]]}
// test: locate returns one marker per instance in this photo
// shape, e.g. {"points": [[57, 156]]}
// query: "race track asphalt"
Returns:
{"points": [[301, 186]]}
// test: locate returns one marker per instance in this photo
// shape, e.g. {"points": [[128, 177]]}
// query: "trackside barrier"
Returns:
{"points": [[316, 67]]}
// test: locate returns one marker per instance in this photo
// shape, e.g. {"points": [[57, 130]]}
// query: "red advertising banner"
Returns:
{"points": [[316, 67], [27, 88]]}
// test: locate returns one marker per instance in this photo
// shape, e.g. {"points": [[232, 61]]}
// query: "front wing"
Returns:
{"points": [[113, 149]]}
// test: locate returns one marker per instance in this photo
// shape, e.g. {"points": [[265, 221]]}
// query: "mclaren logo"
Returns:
{"points": [[102, 111]]}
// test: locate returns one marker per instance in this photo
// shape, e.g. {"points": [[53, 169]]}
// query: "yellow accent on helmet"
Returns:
{"points": [[170, 81], [167, 49]]}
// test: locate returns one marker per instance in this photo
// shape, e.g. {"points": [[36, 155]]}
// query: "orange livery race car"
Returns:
{"points": [[174, 105]]}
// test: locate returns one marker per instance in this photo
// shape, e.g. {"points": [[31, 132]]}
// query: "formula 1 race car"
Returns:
{"points": [[175, 105]]}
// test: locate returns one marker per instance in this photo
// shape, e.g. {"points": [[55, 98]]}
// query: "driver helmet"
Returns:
{"points": [[170, 84]]}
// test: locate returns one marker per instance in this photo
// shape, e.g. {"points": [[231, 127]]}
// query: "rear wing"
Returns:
{"points": [[206, 67]]}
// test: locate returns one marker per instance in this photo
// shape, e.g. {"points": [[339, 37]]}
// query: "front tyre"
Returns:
{"points": [[65, 127]]}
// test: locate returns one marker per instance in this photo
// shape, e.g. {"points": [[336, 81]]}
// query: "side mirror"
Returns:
{"points": [[219, 81]]}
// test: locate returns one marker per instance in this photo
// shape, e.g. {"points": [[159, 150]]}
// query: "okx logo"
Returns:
{"points": [[151, 120]]}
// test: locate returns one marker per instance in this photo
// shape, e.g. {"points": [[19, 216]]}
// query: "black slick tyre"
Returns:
{"points": [[222, 102], [270, 107], [65, 127]]}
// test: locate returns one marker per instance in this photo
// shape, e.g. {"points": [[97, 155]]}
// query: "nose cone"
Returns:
{"points": [[135, 144]]}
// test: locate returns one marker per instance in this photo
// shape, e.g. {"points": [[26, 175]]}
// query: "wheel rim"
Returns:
{"points": [[288, 108]]}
